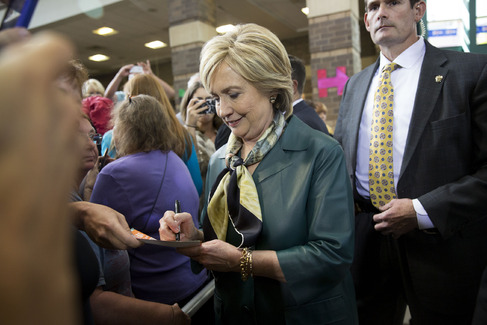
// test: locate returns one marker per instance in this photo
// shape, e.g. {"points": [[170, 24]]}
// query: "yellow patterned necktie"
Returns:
{"points": [[381, 171]]}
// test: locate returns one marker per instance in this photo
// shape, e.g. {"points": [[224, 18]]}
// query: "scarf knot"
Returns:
{"points": [[234, 196], [233, 161]]}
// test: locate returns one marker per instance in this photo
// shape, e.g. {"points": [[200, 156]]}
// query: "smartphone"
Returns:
{"points": [[18, 13], [136, 69], [211, 104]]}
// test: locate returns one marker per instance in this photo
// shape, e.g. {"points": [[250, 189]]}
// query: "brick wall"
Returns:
{"points": [[185, 63], [299, 47], [334, 41], [190, 10], [185, 58]]}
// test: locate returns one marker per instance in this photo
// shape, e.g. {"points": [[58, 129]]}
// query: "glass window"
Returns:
{"points": [[448, 23], [481, 22]]}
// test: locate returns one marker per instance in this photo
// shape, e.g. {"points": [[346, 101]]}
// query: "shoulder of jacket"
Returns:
{"points": [[300, 136]]}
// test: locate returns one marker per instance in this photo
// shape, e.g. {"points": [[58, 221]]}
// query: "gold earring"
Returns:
{"points": [[272, 99]]}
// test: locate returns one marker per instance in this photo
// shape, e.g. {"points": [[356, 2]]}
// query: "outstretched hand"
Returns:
{"points": [[105, 226]]}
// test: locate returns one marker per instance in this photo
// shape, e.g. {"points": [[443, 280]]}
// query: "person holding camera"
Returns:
{"points": [[199, 116]]}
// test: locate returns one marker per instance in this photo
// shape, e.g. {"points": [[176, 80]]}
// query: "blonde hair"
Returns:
{"points": [[257, 55], [92, 85], [148, 85], [142, 126]]}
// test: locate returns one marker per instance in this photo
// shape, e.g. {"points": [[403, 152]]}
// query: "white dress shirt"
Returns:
{"points": [[405, 82]]}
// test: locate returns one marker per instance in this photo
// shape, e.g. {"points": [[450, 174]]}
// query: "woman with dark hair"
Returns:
{"points": [[202, 123]]}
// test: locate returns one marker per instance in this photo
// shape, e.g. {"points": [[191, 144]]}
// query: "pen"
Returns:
{"points": [[177, 209]]}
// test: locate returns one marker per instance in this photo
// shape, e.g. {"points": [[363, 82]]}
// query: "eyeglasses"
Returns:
{"points": [[95, 137]]}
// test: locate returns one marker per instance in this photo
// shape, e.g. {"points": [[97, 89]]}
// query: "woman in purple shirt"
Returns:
{"points": [[142, 184]]}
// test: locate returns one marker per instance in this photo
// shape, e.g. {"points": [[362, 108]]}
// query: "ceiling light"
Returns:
{"points": [[155, 45], [305, 10], [99, 57], [224, 28], [105, 31]]}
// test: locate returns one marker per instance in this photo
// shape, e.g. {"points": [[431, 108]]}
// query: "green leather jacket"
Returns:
{"points": [[307, 209]]}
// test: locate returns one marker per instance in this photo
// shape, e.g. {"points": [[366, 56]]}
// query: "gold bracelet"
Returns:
{"points": [[191, 126], [246, 264]]}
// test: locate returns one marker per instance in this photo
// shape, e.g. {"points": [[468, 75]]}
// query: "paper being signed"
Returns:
{"points": [[171, 243]]}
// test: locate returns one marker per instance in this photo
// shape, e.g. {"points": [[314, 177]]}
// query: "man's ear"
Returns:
{"points": [[295, 86], [367, 26], [420, 10]]}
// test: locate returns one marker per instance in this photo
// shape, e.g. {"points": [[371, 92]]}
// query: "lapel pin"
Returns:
{"points": [[439, 78]]}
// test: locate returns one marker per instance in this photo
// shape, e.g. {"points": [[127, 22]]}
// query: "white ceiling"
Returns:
{"points": [[141, 21]]}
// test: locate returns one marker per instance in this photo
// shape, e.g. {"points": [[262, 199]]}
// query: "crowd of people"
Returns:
{"points": [[295, 224]]}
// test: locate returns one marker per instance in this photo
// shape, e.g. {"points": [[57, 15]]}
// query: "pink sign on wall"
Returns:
{"points": [[337, 82]]}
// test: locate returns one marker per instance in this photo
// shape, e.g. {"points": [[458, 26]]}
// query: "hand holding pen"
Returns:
{"points": [[176, 223]]}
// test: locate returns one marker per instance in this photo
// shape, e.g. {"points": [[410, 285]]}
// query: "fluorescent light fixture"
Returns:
{"points": [[155, 45], [224, 28], [99, 57], [305, 10], [105, 31]]}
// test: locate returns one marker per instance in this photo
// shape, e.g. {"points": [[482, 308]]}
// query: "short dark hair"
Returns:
{"points": [[412, 2], [298, 72]]}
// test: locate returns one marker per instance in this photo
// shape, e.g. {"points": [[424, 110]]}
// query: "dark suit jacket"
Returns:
{"points": [[222, 136], [309, 116], [480, 314], [444, 166]]}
